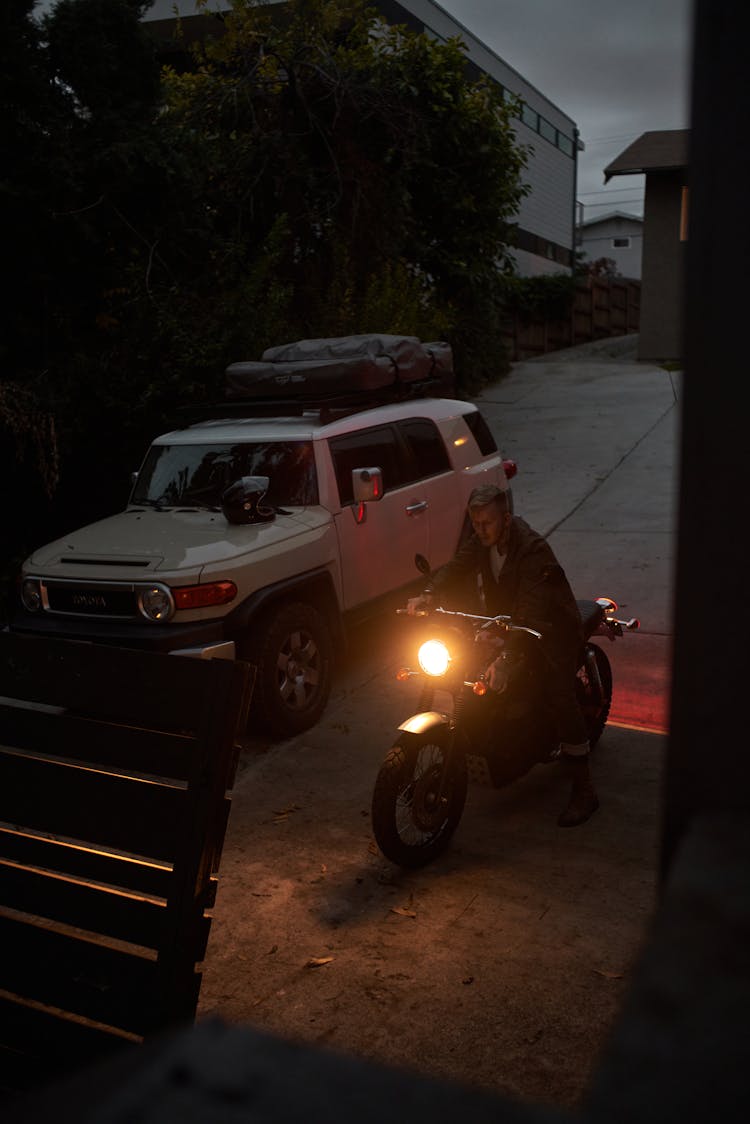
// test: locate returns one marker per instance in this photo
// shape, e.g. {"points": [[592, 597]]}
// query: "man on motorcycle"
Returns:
{"points": [[513, 570]]}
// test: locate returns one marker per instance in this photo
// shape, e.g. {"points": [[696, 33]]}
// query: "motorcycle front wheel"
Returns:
{"points": [[419, 798]]}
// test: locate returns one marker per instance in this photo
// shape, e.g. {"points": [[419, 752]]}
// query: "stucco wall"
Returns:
{"points": [[663, 268]]}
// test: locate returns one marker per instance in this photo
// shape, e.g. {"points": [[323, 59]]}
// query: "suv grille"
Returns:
{"points": [[100, 599]]}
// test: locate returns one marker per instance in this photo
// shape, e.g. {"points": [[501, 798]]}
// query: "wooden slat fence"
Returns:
{"points": [[601, 308], [115, 771]]}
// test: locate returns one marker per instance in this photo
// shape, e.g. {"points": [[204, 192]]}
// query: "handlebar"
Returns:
{"points": [[501, 621]]}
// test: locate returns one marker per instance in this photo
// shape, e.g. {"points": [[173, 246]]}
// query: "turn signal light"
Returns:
{"points": [[402, 674], [201, 596], [607, 604]]}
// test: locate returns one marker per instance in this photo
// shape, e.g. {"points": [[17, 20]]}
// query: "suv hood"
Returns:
{"points": [[175, 539]]}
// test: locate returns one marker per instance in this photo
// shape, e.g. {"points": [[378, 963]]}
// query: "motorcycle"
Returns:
{"points": [[488, 737]]}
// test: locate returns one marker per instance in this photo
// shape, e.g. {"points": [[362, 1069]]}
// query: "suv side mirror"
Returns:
{"points": [[367, 484]]}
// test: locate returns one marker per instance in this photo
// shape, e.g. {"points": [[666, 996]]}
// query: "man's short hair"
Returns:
{"points": [[488, 493]]}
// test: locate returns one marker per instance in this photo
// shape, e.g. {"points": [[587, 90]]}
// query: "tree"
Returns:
{"points": [[356, 167], [33, 151], [74, 88], [601, 267]]}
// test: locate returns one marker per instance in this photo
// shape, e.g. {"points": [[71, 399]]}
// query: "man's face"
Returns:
{"points": [[491, 525]]}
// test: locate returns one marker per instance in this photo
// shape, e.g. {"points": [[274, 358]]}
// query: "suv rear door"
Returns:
{"points": [[379, 540]]}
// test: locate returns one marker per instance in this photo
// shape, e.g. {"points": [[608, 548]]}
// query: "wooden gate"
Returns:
{"points": [[115, 767]]}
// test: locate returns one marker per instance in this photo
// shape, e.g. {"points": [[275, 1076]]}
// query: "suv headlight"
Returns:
{"points": [[31, 594], [156, 603]]}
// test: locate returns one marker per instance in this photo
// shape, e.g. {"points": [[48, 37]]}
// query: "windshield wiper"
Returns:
{"points": [[158, 505]]}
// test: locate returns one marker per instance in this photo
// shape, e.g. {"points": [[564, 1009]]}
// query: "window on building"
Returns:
{"points": [[549, 132], [565, 144], [530, 117], [621, 243], [538, 123]]}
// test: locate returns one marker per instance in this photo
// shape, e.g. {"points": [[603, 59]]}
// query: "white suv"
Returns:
{"points": [[265, 531]]}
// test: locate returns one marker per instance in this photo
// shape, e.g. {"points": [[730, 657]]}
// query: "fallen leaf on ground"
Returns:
{"points": [[286, 811], [402, 911], [609, 975], [317, 961]]}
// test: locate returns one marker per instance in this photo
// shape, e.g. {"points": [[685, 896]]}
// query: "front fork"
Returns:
{"points": [[596, 691], [427, 717]]}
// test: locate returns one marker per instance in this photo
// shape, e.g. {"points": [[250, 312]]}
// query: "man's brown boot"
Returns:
{"points": [[583, 800]]}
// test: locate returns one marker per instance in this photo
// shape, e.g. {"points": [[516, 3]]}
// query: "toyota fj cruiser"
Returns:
{"points": [[283, 515]]}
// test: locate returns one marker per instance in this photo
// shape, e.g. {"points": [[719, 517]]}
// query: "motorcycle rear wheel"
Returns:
{"points": [[595, 707], [412, 820]]}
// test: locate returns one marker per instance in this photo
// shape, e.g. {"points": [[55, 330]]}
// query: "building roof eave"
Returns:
{"points": [[659, 151]]}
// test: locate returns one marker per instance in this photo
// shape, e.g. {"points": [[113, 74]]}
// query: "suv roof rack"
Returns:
{"points": [[328, 406]]}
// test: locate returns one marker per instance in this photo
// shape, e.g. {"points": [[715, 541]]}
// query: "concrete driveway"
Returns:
{"points": [[504, 964]]}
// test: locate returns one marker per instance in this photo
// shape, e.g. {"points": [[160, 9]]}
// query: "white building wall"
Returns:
{"points": [[597, 241], [548, 211]]}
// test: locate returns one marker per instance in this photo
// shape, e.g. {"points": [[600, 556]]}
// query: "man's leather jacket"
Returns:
{"points": [[527, 589]]}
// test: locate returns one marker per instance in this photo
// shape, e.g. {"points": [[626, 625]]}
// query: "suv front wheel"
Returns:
{"points": [[292, 650]]}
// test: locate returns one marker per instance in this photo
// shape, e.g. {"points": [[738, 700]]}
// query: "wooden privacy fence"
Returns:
{"points": [[115, 767], [601, 307]]}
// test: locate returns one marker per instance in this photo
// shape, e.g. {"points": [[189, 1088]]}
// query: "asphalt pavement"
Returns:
{"points": [[504, 964]]}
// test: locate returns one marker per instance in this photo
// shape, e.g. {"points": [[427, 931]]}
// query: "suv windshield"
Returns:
{"points": [[198, 475]]}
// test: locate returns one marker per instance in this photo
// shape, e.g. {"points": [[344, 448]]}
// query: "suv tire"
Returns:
{"points": [[293, 653]]}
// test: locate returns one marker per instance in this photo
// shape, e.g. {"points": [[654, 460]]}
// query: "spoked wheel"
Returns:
{"points": [[419, 798], [595, 701]]}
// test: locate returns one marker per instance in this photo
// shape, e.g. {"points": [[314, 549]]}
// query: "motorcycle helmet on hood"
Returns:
{"points": [[242, 502]]}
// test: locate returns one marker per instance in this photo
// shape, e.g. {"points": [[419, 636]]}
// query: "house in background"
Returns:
{"points": [[617, 236], [663, 158], [545, 240]]}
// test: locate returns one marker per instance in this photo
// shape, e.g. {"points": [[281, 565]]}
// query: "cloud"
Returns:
{"points": [[618, 69]]}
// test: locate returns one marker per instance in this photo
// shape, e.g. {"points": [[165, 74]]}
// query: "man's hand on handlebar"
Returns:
{"points": [[416, 604]]}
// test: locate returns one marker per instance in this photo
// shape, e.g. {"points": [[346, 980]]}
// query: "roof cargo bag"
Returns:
{"points": [[346, 365]]}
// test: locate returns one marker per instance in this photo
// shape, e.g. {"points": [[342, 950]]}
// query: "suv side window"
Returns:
{"points": [[369, 447], [481, 432], [429, 456]]}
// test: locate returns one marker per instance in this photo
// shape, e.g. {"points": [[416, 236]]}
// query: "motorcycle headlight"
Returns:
{"points": [[434, 658]]}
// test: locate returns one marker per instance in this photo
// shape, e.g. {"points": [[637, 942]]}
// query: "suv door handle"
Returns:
{"points": [[415, 508]]}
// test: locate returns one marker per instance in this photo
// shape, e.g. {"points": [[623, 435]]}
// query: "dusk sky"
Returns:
{"points": [[619, 68]]}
